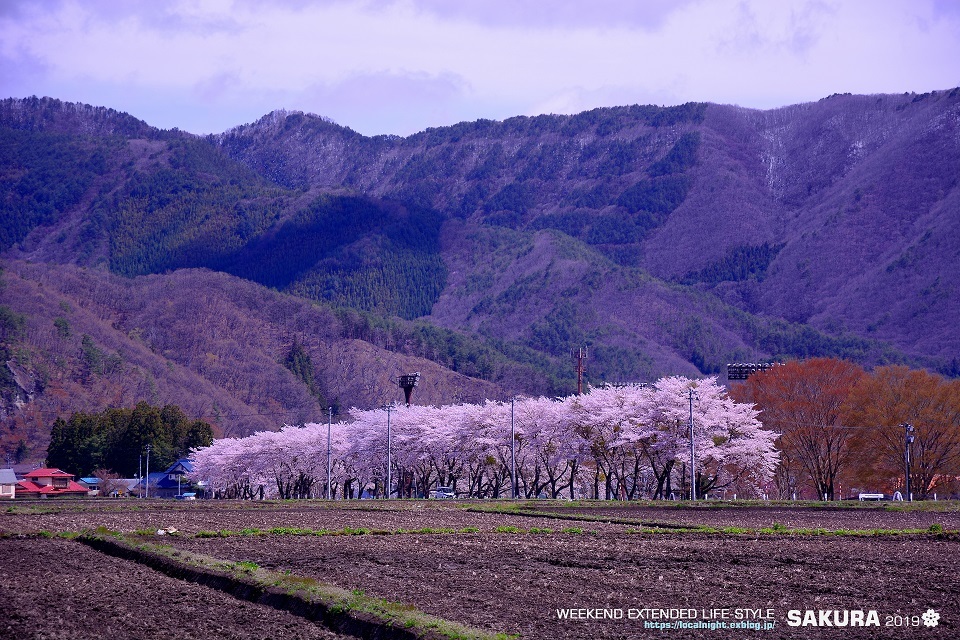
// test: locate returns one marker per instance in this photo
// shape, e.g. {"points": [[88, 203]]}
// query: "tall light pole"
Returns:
{"points": [[329, 426], [907, 441], [513, 451], [388, 408], [693, 453], [147, 478]]}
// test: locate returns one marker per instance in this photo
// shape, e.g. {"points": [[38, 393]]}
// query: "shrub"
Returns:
{"points": [[507, 529]]}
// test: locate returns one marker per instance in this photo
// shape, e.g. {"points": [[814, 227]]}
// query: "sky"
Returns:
{"points": [[400, 66]]}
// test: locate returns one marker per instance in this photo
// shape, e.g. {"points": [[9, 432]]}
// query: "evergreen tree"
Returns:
{"points": [[299, 363], [116, 438]]}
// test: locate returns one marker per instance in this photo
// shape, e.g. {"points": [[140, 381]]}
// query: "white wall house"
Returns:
{"points": [[8, 484]]}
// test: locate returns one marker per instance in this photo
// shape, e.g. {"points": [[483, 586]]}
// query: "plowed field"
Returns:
{"points": [[529, 575]]}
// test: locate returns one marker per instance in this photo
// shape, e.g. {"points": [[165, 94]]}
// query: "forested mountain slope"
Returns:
{"points": [[842, 213], [225, 350]]}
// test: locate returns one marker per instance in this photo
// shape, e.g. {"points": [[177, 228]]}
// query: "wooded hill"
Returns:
{"points": [[668, 240]]}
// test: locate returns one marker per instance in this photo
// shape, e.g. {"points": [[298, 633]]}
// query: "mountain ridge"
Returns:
{"points": [[668, 239], [749, 212]]}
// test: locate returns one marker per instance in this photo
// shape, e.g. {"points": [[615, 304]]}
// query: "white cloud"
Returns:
{"points": [[401, 65]]}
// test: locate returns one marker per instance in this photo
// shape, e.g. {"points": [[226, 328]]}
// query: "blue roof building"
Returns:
{"points": [[173, 481]]}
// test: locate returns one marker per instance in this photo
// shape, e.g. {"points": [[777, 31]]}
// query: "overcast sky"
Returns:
{"points": [[399, 66]]}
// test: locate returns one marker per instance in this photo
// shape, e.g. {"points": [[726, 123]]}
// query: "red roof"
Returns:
{"points": [[26, 486], [48, 473]]}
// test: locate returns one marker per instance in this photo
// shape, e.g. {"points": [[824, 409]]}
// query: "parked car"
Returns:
{"points": [[443, 493]]}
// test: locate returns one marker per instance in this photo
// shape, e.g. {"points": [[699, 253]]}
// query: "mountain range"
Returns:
{"points": [[160, 265]]}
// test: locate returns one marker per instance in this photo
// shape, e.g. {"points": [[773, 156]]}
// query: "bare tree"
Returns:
{"points": [[803, 402]]}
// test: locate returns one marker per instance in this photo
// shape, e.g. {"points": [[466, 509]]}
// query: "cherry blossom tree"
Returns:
{"points": [[730, 444], [614, 424]]}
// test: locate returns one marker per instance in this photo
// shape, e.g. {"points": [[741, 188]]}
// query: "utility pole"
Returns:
{"points": [[329, 425], [907, 441], [513, 451], [388, 408], [693, 454]]}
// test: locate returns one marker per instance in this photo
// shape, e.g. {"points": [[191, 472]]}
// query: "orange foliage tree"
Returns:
{"points": [[804, 403], [881, 404]]}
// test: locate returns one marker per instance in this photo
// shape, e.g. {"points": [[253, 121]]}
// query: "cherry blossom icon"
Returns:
{"points": [[931, 618]]}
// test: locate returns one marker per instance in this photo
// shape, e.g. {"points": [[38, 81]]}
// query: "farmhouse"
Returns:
{"points": [[8, 484], [170, 483], [174, 481], [48, 483], [147, 485], [92, 484], [125, 487]]}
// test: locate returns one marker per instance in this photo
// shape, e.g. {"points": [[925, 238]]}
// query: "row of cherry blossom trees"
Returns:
{"points": [[621, 442]]}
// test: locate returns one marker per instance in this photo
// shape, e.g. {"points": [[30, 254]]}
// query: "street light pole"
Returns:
{"points": [[329, 426], [513, 451], [147, 478], [907, 441]]}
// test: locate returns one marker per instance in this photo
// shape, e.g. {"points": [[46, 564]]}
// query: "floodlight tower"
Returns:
{"points": [[407, 382], [743, 370]]}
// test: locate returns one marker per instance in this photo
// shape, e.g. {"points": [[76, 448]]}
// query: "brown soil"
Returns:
{"points": [[502, 581], [516, 582], [234, 516], [55, 589], [861, 518]]}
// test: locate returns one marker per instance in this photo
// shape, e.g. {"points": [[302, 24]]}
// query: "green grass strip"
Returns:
{"points": [[933, 506], [669, 527], [579, 517], [334, 603], [345, 531]]}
